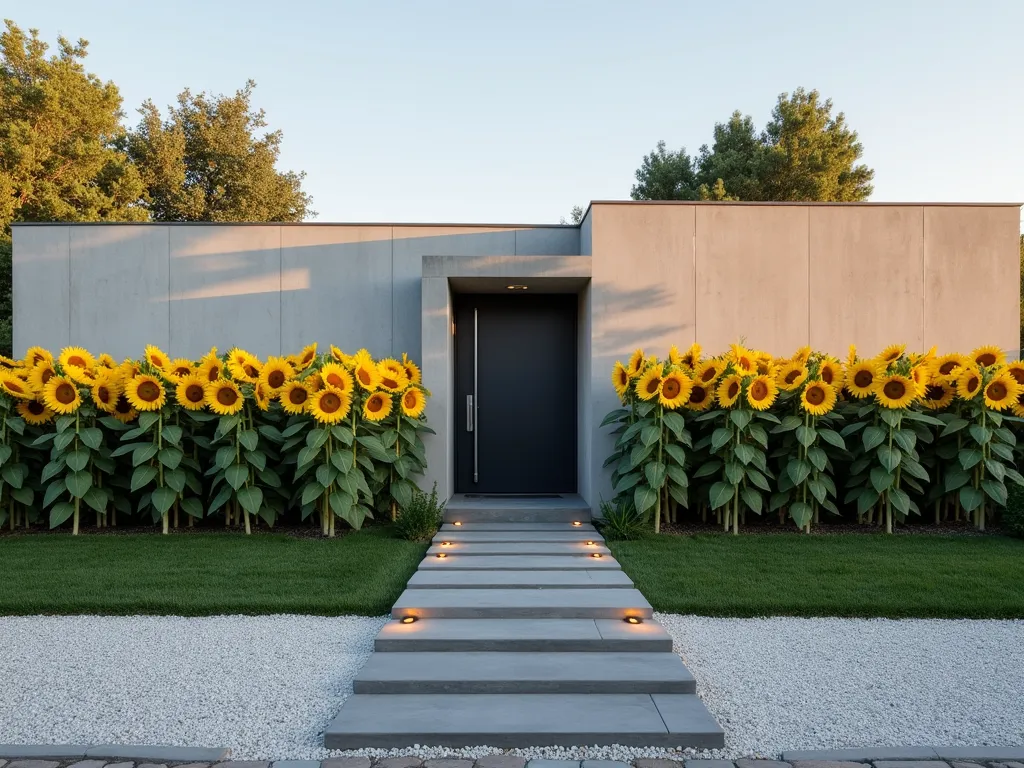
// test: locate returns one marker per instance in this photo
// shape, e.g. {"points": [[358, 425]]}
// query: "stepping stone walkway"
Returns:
{"points": [[520, 629]]}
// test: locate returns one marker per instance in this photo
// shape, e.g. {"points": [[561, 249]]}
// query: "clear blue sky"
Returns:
{"points": [[515, 111]]}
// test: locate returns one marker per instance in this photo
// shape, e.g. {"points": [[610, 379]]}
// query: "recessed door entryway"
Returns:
{"points": [[515, 393]]}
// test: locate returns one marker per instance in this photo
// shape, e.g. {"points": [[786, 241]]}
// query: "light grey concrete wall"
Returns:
{"points": [[41, 284]]}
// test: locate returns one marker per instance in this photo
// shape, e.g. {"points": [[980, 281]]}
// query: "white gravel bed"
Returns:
{"points": [[785, 683]]}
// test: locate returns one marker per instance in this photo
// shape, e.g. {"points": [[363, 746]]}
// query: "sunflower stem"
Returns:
{"points": [[160, 464]]}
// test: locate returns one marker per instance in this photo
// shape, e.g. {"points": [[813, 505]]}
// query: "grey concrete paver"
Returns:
{"points": [[910, 764], [827, 764], [568, 534], [399, 762], [981, 754], [659, 762], [522, 603], [296, 764], [519, 563], [501, 761], [157, 753], [33, 764], [152, 765], [129, 764], [187, 765], [540, 763], [88, 764], [708, 763], [747, 763], [346, 762], [861, 754], [687, 716], [474, 549], [603, 764], [448, 764], [969, 764], [461, 579], [43, 751]]}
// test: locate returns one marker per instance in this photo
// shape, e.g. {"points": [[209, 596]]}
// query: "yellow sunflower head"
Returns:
{"points": [[636, 363], [336, 376], [84, 376], [831, 372], [377, 406], [988, 355], [306, 357], [191, 393], [40, 375], [802, 355], [692, 356], [156, 357], [620, 379], [294, 397], [1001, 392], [895, 391], [261, 396], [1018, 407], [891, 354], [968, 382], [851, 355], [674, 391], [61, 395], [413, 402], [648, 385], [729, 390], [106, 361], [314, 382], [818, 398], [178, 369], [761, 392], [145, 393], [76, 356], [791, 375], [938, 394], [210, 369], [702, 396], [244, 366], [34, 412], [392, 375], [36, 355], [275, 373], [123, 411], [329, 406], [707, 372], [948, 367], [223, 397], [105, 392], [338, 356], [411, 370], [1016, 369], [743, 359], [674, 358], [921, 374], [861, 378], [366, 373], [16, 387]]}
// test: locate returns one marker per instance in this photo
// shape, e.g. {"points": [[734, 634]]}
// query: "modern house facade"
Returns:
{"points": [[517, 326]]}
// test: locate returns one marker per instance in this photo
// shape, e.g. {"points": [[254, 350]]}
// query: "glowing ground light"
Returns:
{"points": [[408, 619], [442, 555], [457, 523], [577, 523], [590, 543], [596, 554], [446, 543], [633, 620]]}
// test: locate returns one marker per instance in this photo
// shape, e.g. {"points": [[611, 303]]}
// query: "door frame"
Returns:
{"points": [[447, 276]]}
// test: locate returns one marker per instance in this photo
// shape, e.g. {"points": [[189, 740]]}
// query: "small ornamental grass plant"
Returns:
{"points": [[421, 518], [879, 438]]}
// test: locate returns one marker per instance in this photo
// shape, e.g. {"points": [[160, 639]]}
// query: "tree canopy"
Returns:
{"points": [[804, 153]]}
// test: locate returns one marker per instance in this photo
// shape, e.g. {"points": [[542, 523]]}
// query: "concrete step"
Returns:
{"points": [[517, 527], [499, 720], [517, 563], [514, 673], [439, 578], [521, 603], [523, 635], [522, 548], [511, 509], [530, 537]]}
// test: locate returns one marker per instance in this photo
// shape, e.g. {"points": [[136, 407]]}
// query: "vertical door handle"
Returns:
{"points": [[469, 413], [476, 398]]}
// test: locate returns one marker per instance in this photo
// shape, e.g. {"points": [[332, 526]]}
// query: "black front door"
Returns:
{"points": [[515, 355]]}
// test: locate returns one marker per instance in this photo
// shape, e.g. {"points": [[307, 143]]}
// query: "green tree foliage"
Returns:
{"points": [[207, 162], [803, 154]]}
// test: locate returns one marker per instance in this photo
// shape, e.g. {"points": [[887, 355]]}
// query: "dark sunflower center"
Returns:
{"points": [[734, 389], [37, 358], [815, 394], [36, 408], [759, 390], [697, 394], [364, 376], [375, 404], [389, 383], [708, 375], [894, 390], [276, 379], [1018, 374], [157, 361], [298, 396], [986, 359], [194, 393], [792, 376], [336, 381], [123, 406], [149, 392], [652, 385], [671, 389], [973, 383], [410, 398], [623, 378], [227, 396], [65, 393], [47, 375], [250, 371], [826, 375], [214, 373], [14, 386], [181, 370], [934, 392], [863, 379], [330, 402], [76, 360], [103, 394], [948, 367], [997, 391], [308, 357]]}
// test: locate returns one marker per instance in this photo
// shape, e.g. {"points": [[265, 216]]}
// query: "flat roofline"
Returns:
{"points": [[773, 202], [420, 225]]}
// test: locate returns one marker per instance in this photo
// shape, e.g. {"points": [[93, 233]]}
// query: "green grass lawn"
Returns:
{"points": [[205, 573], [918, 576]]}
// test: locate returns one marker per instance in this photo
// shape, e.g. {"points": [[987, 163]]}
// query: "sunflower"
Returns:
{"points": [[178, 369], [104, 393], [210, 368], [338, 356], [968, 382], [336, 377], [314, 382], [34, 412], [860, 378], [16, 387], [80, 375], [106, 361], [244, 366], [649, 384], [411, 370], [366, 373], [707, 373], [762, 392], [145, 393], [8, 362], [224, 397], [988, 355], [261, 396], [413, 402], [76, 356], [938, 394], [329, 406], [674, 390], [392, 375], [947, 367], [818, 398], [729, 390], [921, 374], [37, 355], [61, 395], [830, 371], [766, 364], [190, 393], [895, 391], [791, 376], [851, 356], [620, 379], [1016, 369], [123, 411], [802, 355], [745, 360], [306, 357], [636, 363], [293, 397], [1001, 392], [156, 357], [377, 406], [891, 354], [275, 372], [1018, 407], [702, 396], [692, 357], [674, 358]]}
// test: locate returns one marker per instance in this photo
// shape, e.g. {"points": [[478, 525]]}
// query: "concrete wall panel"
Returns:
{"points": [[586, 235], [548, 241], [972, 293], [225, 289], [119, 289], [336, 288], [439, 377], [866, 277], [41, 283], [751, 277]]}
